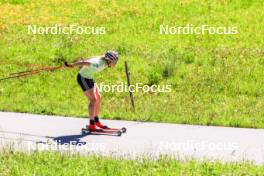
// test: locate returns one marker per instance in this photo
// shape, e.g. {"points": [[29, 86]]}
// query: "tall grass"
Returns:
{"points": [[49, 163]]}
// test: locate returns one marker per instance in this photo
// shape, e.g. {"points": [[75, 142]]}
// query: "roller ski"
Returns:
{"points": [[97, 131], [100, 129], [106, 128]]}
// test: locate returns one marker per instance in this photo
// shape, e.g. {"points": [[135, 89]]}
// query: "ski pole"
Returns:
{"points": [[128, 82], [41, 69], [18, 76], [31, 72]]}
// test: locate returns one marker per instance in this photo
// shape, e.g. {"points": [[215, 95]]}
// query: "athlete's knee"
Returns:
{"points": [[98, 98], [93, 99]]}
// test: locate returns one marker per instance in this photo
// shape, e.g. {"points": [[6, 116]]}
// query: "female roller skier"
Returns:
{"points": [[85, 79]]}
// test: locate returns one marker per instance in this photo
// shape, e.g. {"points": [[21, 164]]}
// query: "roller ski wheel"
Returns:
{"points": [[85, 131], [119, 133], [123, 130]]}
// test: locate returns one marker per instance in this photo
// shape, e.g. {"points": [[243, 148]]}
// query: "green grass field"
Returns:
{"points": [[49, 163], [215, 79]]}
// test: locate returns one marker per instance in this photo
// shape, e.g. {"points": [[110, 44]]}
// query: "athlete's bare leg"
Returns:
{"points": [[98, 101], [91, 95]]}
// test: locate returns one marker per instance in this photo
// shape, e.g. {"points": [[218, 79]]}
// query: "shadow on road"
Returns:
{"points": [[61, 140], [70, 139], [75, 139]]}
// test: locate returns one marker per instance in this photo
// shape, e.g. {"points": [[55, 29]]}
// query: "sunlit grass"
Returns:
{"points": [[49, 163], [216, 79]]}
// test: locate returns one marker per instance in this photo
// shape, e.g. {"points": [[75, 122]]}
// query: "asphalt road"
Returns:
{"points": [[27, 132]]}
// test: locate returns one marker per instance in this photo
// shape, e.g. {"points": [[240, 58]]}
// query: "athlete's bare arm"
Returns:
{"points": [[79, 63]]}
